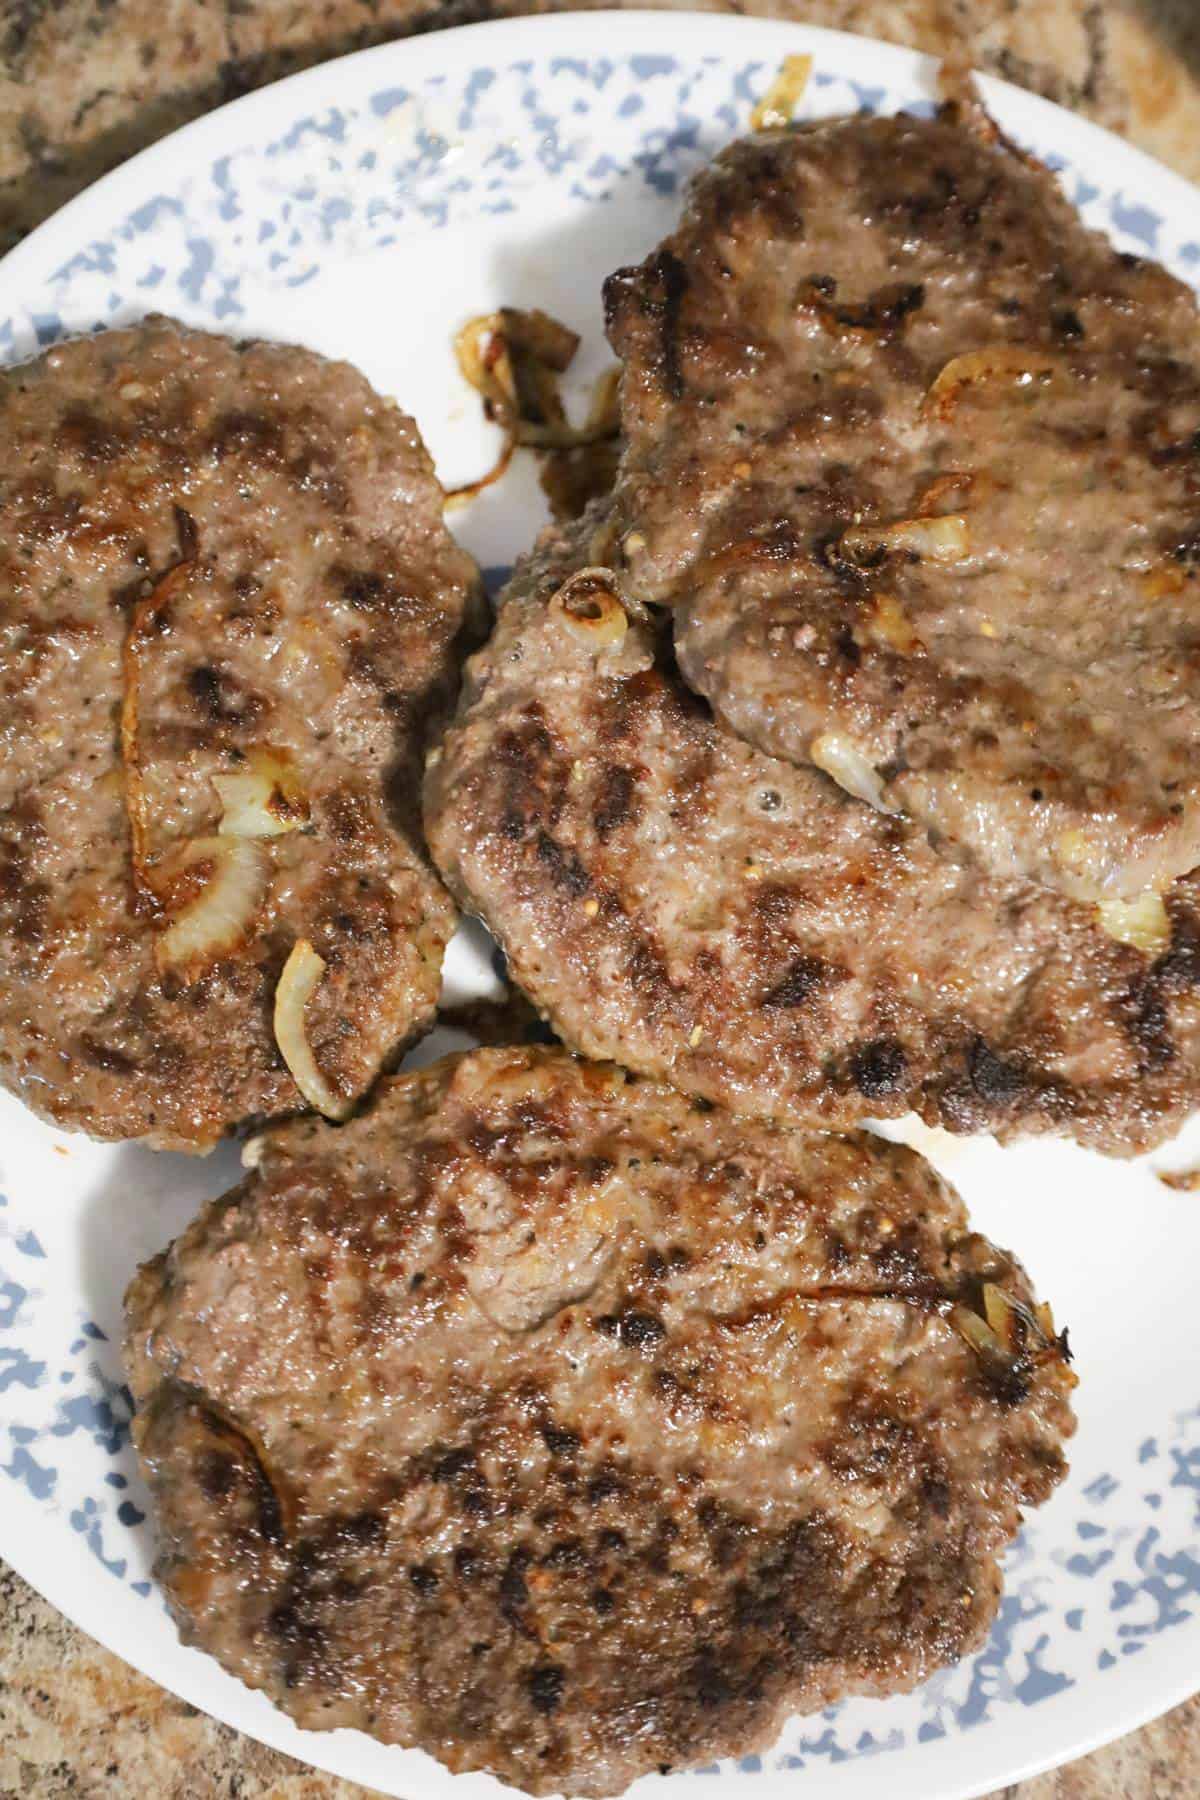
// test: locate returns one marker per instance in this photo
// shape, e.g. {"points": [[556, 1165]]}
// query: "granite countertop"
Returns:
{"points": [[85, 83]]}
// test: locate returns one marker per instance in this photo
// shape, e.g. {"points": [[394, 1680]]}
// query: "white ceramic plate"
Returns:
{"points": [[367, 208]]}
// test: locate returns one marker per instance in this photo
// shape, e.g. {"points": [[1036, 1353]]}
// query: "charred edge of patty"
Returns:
{"points": [[656, 287], [222, 1449]]}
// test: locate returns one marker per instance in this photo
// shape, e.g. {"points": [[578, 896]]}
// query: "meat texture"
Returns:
{"points": [[219, 563], [915, 459], [710, 915], [570, 1429]]}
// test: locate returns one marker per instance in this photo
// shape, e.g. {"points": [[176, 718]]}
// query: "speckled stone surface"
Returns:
{"points": [[85, 83]]}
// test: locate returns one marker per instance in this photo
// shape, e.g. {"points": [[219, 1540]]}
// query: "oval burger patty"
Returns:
{"points": [[254, 537], [915, 459], [681, 902], [568, 1428]]}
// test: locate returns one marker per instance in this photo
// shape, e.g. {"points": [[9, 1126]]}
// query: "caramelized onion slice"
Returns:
{"points": [[262, 798], [1180, 1181], [299, 980], [845, 763], [964, 484], [976, 1331], [879, 317], [483, 357], [778, 105], [577, 472], [1001, 1314], [1011, 1331], [1142, 922], [514, 359], [220, 917], [146, 620], [1010, 365], [590, 610], [889, 625], [943, 539]]}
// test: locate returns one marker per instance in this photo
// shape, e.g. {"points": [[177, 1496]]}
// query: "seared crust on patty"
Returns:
{"points": [[215, 558], [569, 1429], [674, 899], [915, 459]]}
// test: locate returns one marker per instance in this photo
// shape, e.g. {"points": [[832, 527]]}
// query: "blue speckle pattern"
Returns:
{"points": [[272, 215], [348, 179]]}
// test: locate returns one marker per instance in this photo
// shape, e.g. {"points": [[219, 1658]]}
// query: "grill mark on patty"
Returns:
{"points": [[105, 1056], [546, 1684], [562, 866], [770, 197], [807, 977], [23, 894], [373, 591], [999, 1082], [532, 776], [879, 1068], [218, 697], [870, 1439], [226, 1455], [1144, 1017], [615, 803], [646, 972], [635, 1328], [96, 441], [249, 434], [1178, 969]]}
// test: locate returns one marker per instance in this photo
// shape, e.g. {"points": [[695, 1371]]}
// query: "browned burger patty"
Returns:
{"points": [[216, 561], [916, 460], [569, 1429], [674, 899]]}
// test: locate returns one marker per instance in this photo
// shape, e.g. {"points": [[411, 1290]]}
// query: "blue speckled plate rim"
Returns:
{"points": [[962, 1764]]}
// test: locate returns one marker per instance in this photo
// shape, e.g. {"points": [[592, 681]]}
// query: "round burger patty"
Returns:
{"points": [[679, 901], [914, 458], [570, 1429], [228, 610]]}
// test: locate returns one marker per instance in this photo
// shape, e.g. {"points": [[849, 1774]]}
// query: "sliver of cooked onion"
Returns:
{"points": [[299, 980], [779, 104], [1010, 1332], [147, 615], [590, 610], [514, 359], [841, 759], [1142, 922], [218, 920], [945, 538], [261, 798], [1010, 365]]}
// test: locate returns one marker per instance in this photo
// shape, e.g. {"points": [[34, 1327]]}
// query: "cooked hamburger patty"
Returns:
{"points": [[916, 460], [569, 1429], [674, 899], [216, 561]]}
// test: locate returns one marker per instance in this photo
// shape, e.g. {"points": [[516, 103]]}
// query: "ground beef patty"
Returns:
{"points": [[568, 1428], [219, 563], [674, 899], [916, 460]]}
